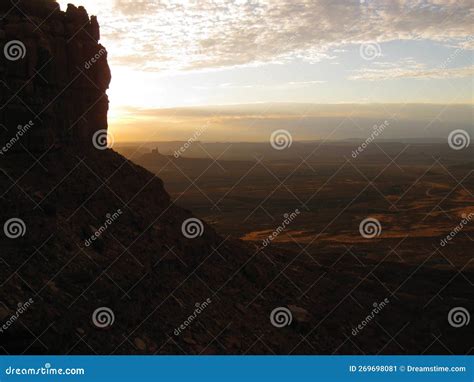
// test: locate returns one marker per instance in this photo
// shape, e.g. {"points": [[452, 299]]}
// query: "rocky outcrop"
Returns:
{"points": [[53, 76]]}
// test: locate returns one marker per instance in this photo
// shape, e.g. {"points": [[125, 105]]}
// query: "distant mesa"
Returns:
{"points": [[53, 73], [156, 152]]}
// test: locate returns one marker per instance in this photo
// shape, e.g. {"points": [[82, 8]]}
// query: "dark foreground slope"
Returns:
{"points": [[141, 267], [136, 287], [151, 277]]}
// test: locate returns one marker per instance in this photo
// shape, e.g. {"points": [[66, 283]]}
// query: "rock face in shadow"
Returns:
{"points": [[53, 76]]}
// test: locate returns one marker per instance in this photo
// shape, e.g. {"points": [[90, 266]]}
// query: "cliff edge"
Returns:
{"points": [[53, 76]]}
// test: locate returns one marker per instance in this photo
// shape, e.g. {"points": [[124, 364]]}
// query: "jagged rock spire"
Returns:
{"points": [[53, 73]]}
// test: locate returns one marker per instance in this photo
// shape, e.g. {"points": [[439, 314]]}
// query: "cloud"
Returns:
{"points": [[284, 85], [256, 122], [169, 35], [451, 112], [135, 7], [408, 68]]}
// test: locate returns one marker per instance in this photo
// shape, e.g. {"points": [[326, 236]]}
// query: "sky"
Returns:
{"points": [[178, 64]]}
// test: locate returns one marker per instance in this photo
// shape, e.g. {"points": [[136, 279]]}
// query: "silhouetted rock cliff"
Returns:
{"points": [[53, 75]]}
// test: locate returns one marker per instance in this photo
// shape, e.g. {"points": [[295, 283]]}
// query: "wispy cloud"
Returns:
{"points": [[284, 85], [408, 68], [304, 121]]}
